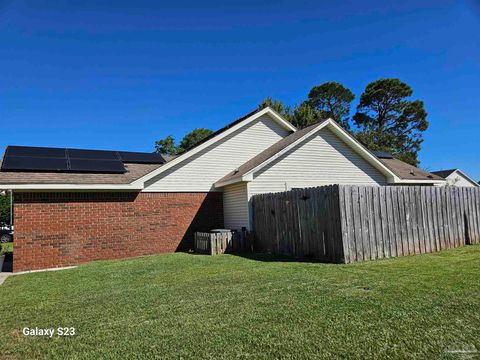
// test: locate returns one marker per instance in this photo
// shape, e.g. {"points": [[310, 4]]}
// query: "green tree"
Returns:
{"points": [[388, 120], [332, 100], [285, 111], [193, 138], [304, 115], [300, 116], [5, 208], [166, 146]]}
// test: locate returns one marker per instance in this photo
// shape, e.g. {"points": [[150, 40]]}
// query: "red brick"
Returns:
{"points": [[62, 229]]}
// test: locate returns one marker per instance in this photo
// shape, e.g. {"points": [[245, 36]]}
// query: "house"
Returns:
{"points": [[72, 205], [456, 177]]}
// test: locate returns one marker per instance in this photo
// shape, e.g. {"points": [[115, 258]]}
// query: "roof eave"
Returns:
{"points": [[350, 140], [468, 178], [235, 180], [391, 180], [71, 187], [399, 181]]}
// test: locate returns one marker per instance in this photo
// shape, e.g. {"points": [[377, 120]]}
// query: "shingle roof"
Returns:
{"points": [[400, 168], [134, 172], [268, 153], [444, 173], [169, 157], [407, 171]]}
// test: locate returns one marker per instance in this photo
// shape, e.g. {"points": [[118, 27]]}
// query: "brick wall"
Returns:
{"points": [[62, 229]]}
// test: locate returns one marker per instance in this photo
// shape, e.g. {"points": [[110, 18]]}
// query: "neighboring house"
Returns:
{"points": [[138, 204], [456, 177]]}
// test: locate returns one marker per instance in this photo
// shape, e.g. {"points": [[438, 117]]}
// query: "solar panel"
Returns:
{"points": [[142, 158], [92, 154], [29, 158], [101, 166], [34, 151], [28, 163], [383, 154]]}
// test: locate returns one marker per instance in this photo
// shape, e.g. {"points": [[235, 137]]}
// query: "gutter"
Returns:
{"points": [[70, 187]]}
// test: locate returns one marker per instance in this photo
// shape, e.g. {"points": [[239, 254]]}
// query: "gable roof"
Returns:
{"points": [[267, 154], [446, 173], [217, 136], [136, 174], [396, 171]]}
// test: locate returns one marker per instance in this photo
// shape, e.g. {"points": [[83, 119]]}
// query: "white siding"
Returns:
{"points": [[235, 206], [202, 170], [457, 179], [323, 159]]}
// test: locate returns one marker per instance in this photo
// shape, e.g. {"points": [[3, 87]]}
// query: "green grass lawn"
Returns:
{"points": [[192, 306]]}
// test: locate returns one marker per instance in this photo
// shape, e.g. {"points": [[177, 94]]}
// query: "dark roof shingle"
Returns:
{"points": [[444, 173], [134, 172], [407, 171]]}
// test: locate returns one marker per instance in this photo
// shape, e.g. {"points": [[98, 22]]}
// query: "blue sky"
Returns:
{"points": [[122, 74]]}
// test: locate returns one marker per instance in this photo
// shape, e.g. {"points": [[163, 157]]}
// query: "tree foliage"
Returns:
{"points": [[388, 120], [304, 115], [385, 119], [299, 116], [193, 138], [332, 100], [328, 100], [278, 106], [5, 208], [168, 145]]}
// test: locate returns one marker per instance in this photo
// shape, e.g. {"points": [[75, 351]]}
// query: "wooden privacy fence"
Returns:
{"points": [[301, 222], [214, 243], [341, 223]]}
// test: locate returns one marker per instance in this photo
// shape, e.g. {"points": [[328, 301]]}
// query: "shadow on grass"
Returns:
{"points": [[264, 257]]}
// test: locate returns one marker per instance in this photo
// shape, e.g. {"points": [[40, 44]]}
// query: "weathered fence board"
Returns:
{"points": [[214, 243], [301, 223], [343, 223]]}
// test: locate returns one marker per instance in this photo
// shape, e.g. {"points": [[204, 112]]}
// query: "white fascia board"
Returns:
{"points": [[228, 182], [206, 144], [366, 154], [286, 124], [395, 181], [420, 182], [244, 178], [284, 150], [370, 158], [70, 187], [373, 160]]}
